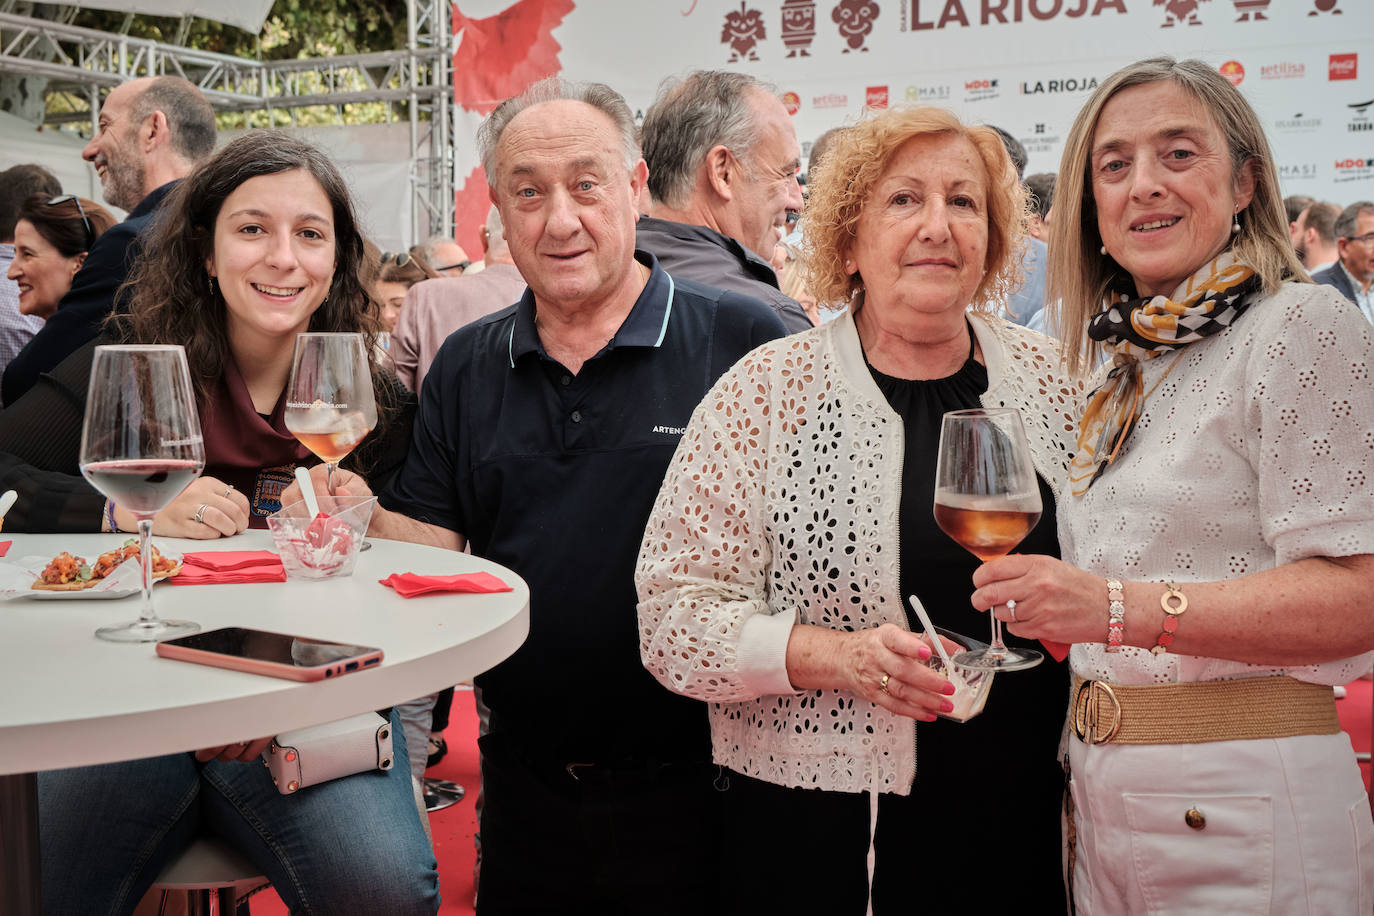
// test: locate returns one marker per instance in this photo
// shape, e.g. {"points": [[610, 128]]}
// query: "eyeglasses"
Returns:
{"points": [[58, 201], [399, 258], [461, 265], [1367, 238]]}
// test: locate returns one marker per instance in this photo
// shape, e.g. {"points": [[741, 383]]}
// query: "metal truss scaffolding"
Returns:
{"points": [[82, 61]]}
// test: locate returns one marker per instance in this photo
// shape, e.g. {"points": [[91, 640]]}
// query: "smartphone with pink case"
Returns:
{"points": [[296, 658]]}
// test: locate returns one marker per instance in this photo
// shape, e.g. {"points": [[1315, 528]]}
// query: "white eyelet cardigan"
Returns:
{"points": [[780, 507]]}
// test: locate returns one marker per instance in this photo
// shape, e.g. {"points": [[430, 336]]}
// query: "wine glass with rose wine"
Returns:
{"points": [[987, 499], [329, 402], [141, 446]]}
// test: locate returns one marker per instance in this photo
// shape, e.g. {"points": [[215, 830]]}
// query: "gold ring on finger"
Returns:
{"points": [[882, 685]]}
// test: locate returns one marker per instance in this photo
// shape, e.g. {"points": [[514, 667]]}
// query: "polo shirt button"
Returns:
{"points": [[577, 416], [565, 380]]}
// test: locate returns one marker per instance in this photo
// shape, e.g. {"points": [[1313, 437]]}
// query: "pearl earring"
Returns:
{"points": [[849, 265], [1235, 222], [1102, 250]]}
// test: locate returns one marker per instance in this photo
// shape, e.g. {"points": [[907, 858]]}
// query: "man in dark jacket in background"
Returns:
{"points": [[151, 133]]}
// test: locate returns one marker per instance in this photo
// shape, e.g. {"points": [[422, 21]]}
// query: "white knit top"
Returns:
{"points": [[781, 507], [1255, 449]]}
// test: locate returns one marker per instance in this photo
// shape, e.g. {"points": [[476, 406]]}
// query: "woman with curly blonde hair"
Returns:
{"points": [[797, 518]]}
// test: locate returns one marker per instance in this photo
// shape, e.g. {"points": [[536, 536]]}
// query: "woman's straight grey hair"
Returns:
{"points": [[690, 117], [554, 89], [1079, 274]]}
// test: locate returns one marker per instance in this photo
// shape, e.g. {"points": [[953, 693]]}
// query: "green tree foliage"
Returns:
{"points": [[294, 29]]}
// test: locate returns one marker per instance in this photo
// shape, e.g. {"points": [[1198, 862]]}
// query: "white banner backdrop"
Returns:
{"points": [[1027, 66]]}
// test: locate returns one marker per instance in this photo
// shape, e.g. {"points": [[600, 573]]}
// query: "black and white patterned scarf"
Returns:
{"points": [[1142, 328]]}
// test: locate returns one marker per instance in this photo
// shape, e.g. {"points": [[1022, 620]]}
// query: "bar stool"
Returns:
{"points": [[208, 870]]}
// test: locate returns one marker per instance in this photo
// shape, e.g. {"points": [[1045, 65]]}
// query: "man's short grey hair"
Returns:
{"points": [[708, 108], [189, 116], [1294, 204], [1321, 218], [1345, 224], [555, 89], [428, 246]]}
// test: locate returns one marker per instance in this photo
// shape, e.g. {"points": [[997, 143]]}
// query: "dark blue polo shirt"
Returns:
{"points": [[554, 476]]}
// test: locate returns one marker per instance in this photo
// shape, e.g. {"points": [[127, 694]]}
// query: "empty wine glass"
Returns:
{"points": [[987, 499], [141, 446], [329, 402]]}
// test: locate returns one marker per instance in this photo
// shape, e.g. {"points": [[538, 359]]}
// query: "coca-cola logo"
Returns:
{"points": [[876, 97], [1342, 67]]}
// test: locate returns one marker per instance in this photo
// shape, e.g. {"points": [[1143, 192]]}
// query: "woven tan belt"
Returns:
{"points": [[1191, 713]]}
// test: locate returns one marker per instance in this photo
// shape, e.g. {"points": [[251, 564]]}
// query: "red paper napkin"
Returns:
{"points": [[408, 585], [229, 567], [5, 547], [225, 560]]}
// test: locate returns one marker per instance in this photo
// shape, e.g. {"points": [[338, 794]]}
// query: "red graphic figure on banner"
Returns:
{"points": [[1176, 10], [1251, 8], [743, 30], [855, 19], [501, 55], [798, 26], [1324, 6]]}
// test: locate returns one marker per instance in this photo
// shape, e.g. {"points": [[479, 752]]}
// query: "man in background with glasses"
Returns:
{"points": [[17, 184], [150, 134], [1353, 271]]}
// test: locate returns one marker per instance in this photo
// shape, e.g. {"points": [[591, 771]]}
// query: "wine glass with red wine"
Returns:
{"points": [[987, 499], [329, 402], [141, 446]]}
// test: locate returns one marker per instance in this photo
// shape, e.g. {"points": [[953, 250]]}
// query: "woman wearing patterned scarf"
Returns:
{"points": [[1224, 468]]}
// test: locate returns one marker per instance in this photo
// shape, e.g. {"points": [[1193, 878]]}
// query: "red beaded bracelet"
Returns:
{"points": [[1171, 615]]}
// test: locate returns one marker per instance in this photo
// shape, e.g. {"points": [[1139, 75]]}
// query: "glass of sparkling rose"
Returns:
{"points": [[329, 402], [987, 499]]}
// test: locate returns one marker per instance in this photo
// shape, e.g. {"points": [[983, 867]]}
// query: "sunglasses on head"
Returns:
{"points": [[399, 258], [58, 201]]}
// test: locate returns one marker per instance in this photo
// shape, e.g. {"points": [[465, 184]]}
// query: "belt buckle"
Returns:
{"points": [[1088, 720]]}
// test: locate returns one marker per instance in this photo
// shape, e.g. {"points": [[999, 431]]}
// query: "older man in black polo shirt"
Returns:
{"points": [[543, 435]]}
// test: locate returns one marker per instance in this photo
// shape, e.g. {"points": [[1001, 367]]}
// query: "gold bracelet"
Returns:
{"points": [[1171, 614]]}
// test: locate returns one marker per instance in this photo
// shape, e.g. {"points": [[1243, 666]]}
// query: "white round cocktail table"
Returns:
{"points": [[69, 699]]}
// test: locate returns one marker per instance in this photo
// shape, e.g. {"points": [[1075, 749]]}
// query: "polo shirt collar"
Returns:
{"points": [[645, 326]]}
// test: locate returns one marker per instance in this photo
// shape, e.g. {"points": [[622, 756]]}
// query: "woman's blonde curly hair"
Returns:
{"points": [[840, 187]]}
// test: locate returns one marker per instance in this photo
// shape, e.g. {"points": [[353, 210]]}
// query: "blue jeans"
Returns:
{"points": [[351, 845]]}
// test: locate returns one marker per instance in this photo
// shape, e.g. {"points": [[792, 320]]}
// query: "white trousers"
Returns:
{"points": [[1287, 828]]}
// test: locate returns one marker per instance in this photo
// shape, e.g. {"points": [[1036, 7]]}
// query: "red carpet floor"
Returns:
{"points": [[453, 827]]}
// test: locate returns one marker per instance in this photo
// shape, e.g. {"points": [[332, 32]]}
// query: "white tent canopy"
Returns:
{"points": [[248, 15], [56, 151]]}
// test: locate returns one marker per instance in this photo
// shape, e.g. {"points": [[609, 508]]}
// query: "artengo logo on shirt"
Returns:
{"points": [[670, 430]]}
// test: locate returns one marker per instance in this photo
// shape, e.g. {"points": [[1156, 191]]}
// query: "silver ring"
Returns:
{"points": [[1011, 608], [200, 514], [882, 685], [227, 490]]}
